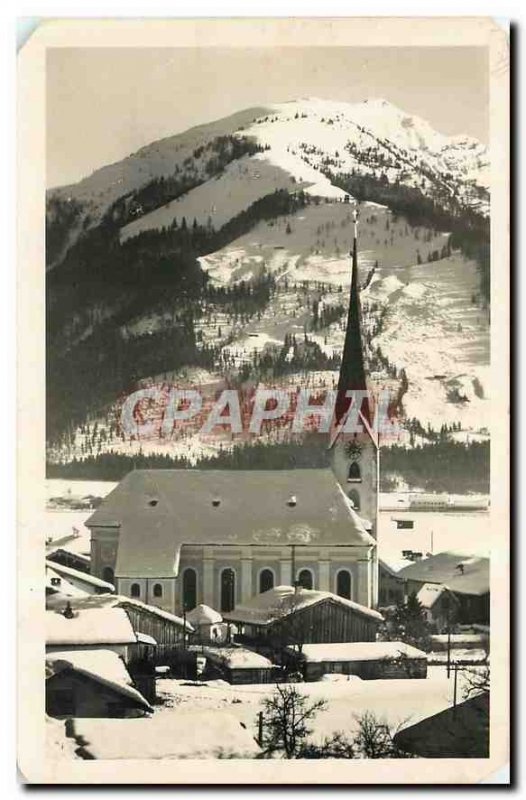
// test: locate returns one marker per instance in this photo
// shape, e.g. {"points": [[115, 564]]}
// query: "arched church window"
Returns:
{"points": [[228, 589], [189, 589], [108, 575], [354, 475], [266, 580], [135, 590], [344, 583], [354, 497], [305, 579], [157, 590]]}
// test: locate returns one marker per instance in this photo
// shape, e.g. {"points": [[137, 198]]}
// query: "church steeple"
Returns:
{"points": [[352, 370]]}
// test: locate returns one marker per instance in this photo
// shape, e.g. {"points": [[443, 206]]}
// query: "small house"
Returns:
{"points": [[464, 575], [456, 732], [439, 604], [240, 665], [367, 660], [390, 584], [208, 624], [95, 629], [166, 629], [91, 683]]}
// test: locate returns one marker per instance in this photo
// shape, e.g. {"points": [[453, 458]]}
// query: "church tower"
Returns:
{"points": [[355, 455]]}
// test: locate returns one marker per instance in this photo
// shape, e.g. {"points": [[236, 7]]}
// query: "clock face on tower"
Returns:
{"points": [[353, 451]]}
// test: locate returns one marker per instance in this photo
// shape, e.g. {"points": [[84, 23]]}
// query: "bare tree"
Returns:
{"points": [[374, 738], [285, 721]]}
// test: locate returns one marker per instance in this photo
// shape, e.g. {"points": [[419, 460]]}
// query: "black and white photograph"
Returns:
{"points": [[272, 494]]}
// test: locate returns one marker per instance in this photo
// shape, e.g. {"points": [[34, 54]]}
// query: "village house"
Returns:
{"points": [[456, 732], [467, 577], [180, 538], [167, 630], [94, 629], [239, 665], [390, 585], [439, 603], [208, 624], [91, 683]]}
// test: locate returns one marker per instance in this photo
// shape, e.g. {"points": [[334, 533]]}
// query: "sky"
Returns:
{"points": [[105, 103]]}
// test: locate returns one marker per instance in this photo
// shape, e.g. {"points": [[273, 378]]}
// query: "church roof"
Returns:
{"points": [[158, 511]]}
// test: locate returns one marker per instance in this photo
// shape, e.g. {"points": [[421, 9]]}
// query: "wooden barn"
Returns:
{"points": [[367, 660], [166, 629], [289, 615], [91, 683], [240, 665]]}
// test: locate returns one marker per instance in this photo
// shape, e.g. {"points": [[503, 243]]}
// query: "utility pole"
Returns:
{"points": [[455, 667], [260, 729], [293, 563], [448, 607]]}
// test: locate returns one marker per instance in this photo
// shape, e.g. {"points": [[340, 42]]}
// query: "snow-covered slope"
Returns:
{"points": [[369, 137]]}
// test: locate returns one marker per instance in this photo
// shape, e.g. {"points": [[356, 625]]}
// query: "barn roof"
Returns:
{"points": [[93, 601], [160, 510], [281, 601], [461, 732], [103, 666], [57, 584], [82, 577], [359, 651], [89, 626], [463, 574]]}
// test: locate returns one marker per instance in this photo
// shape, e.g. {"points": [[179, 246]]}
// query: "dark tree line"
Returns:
{"points": [[470, 231]]}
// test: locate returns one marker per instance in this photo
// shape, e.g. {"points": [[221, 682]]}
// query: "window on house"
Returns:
{"points": [[135, 590], [189, 589], [108, 575], [228, 589], [266, 580], [354, 497], [354, 475], [344, 584], [305, 579], [157, 590]]}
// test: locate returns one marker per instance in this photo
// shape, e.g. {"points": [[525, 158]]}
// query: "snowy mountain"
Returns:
{"points": [[221, 248]]}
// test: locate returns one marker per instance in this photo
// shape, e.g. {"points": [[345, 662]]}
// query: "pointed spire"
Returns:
{"points": [[352, 370]]}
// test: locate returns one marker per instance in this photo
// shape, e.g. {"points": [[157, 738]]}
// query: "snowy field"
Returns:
{"points": [[205, 720]]}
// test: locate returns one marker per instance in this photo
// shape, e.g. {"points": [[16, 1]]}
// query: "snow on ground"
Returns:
{"points": [[200, 720], [59, 747], [435, 532], [176, 734]]}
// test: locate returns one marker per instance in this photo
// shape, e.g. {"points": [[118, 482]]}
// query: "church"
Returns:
{"points": [[178, 538]]}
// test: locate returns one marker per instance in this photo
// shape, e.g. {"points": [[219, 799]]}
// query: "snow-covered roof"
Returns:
{"points": [[104, 666], [88, 627], [430, 593], [463, 574], [279, 602], [117, 601], [58, 585], [177, 507], [359, 651], [393, 566], [237, 658], [204, 615], [84, 577]]}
